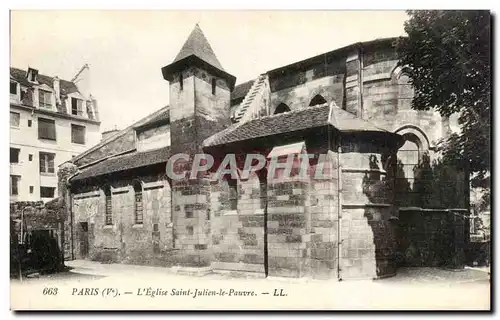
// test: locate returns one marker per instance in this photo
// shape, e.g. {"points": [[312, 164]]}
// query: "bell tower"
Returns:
{"points": [[200, 92]]}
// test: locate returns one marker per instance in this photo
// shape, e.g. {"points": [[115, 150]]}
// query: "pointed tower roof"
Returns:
{"points": [[197, 51]]}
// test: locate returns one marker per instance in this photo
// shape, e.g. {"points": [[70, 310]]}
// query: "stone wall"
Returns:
{"points": [[367, 230], [124, 240], [238, 235], [329, 87]]}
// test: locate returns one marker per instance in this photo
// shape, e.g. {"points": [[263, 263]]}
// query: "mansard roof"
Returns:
{"points": [[20, 76]]}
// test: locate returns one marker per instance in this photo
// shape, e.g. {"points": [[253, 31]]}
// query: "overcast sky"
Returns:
{"points": [[126, 49]]}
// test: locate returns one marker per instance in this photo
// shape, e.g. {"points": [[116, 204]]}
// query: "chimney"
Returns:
{"points": [[57, 90], [95, 110], [82, 80]]}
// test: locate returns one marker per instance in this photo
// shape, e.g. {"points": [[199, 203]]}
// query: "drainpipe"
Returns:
{"points": [[339, 220]]}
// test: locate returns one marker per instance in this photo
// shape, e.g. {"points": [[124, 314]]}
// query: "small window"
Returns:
{"points": [[44, 99], [214, 85], [14, 119], [47, 192], [46, 129], [30, 157], [14, 185], [14, 155], [317, 100], [30, 123], [181, 81], [139, 217], [190, 230], [233, 193], [282, 108], [188, 211], [77, 134], [76, 107], [32, 189], [108, 214], [47, 162], [13, 88]]}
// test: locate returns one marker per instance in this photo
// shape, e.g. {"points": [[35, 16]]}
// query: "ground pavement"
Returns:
{"points": [[92, 285]]}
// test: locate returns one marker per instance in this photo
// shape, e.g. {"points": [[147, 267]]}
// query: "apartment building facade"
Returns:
{"points": [[51, 120]]}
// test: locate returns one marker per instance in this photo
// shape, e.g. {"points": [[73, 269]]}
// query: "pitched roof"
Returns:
{"points": [[19, 75], [296, 120], [125, 162], [272, 125], [161, 117], [241, 90], [197, 45], [163, 112]]}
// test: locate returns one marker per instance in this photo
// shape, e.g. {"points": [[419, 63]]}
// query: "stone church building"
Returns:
{"points": [[351, 104]]}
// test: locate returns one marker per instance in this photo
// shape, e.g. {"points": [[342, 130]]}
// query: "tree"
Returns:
{"points": [[447, 58]]}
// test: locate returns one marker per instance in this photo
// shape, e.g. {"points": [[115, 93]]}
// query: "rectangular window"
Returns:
{"points": [[30, 157], [46, 129], [233, 194], [76, 107], [214, 84], [14, 185], [14, 155], [181, 81], [109, 212], [47, 162], [44, 99], [138, 208], [32, 189], [14, 119], [190, 230], [29, 123], [13, 88], [77, 134], [47, 192]]}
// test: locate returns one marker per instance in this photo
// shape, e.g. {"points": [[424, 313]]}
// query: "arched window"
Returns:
{"points": [[409, 155], [108, 210], [138, 212], [282, 108], [317, 100]]}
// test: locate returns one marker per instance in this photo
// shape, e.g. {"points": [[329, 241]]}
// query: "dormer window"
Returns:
{"points": [[76, 106], [32, 75], [44, 99]]}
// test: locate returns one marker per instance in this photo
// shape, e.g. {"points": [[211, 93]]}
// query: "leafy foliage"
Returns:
{"points": [[447, 55]]}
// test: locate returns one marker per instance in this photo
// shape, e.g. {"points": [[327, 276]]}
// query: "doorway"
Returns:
{"points": [[83, 238]]}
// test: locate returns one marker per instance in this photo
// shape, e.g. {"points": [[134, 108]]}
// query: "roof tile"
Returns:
{"points": [[125, 162], [296, 120], [20, 76], [198, 45]]}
